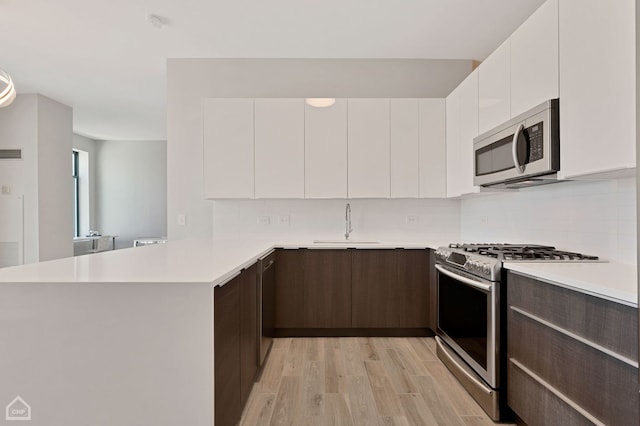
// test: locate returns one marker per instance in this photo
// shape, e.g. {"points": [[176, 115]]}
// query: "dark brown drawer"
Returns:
{"points": [[604, 386], [538, 406], [609, 324]]}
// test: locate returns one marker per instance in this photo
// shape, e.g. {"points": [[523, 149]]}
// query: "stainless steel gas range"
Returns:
{"points": [[471, 321]]}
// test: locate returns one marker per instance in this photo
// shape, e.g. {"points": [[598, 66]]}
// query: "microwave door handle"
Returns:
{"points": [[465, 280], [514, 151]]}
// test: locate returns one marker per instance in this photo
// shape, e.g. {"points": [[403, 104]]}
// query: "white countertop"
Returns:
{"points": [[609, 280], [186, 261], [216, 262]]}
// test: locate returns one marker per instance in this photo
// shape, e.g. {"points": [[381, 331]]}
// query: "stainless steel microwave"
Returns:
{"points": [[524, 151]]}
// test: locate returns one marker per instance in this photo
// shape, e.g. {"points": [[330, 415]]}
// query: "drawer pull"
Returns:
{"points": [[574, 336], [557, 393]]}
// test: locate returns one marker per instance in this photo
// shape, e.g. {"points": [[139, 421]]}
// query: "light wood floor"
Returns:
{"points": [[359, 381]]}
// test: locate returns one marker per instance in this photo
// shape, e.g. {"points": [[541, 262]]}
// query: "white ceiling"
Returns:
{"points": [[106, 61]]}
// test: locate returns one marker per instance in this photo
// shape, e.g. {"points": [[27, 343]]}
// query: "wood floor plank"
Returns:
{"points": [[437, 401], [368, 349], [281, 343], [386, 398], [287, 409], [295, 360], [399, 374], [361, 401], [395, 421], [431, 344], [410, 360], [462, 402], [313, 389], [272, 373], [315, 349], [353, 363], [334, 370], [416, 410], [337, 411], [421, 348], [481, 421], [259, 409]]}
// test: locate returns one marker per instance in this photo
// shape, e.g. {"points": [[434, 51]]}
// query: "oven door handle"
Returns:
{"points": [[485, 287]]}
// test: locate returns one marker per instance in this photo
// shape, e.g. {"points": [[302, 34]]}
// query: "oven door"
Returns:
{"points": [[467, 319]]}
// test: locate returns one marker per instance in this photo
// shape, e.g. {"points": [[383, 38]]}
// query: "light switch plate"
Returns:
{"points": [[6, 189], [264, 220], [412, 220], [182, 219], [284, 220]]}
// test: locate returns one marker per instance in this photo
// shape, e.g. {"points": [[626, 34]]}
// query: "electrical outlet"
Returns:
{"points": [[412, 220], [264, 220], [284, 220], [182, 219], [484, 220], [6, 189]]}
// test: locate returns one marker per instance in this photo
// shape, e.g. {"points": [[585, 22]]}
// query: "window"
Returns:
{"points": [[76, 193]]}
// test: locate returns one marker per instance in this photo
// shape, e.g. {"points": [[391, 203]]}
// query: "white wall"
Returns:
{"points": [[131, 182], [596, 218], [435, 220], [190, 80], [42, 128]]}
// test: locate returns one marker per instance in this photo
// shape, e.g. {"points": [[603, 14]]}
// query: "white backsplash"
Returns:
{"points": [[597, 218], [294, 220]]}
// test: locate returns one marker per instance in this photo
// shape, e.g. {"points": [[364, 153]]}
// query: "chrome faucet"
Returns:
{"points": [[347, 219]]}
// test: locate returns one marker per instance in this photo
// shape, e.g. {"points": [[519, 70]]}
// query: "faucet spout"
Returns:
{"points": [[347, 219]]}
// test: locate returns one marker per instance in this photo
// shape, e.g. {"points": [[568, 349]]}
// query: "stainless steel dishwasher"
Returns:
{"points": [[266, 303]]}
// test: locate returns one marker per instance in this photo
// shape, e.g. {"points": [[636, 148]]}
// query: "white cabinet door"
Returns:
{"points": [[279, 148], [405, 148], [368, 140], [534, 59], [494, 89], [433, 158], [326, 151], [227, 128], [597, 86], [462, 127]]}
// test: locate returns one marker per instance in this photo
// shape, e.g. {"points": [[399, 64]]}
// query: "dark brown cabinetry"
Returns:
{"points": [[352, 289], [248, 331], [227, 352], [289, 289], [235, 345], [390, 289], [327, 288], [572, 357]]}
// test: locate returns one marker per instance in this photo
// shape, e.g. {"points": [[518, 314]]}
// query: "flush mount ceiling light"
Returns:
{"points": [[7, 89], [156, 21], [320, 102]]}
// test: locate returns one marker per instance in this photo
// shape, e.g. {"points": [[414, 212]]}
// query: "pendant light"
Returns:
{"points": [[320, 102], [7, 89]]}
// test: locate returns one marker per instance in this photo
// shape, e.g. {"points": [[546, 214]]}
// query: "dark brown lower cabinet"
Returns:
{"points": [[327, 288], [227, 353], [572, 357], [248, 331], [390, 288], [235, 345], [433, 292], [289, 295]]}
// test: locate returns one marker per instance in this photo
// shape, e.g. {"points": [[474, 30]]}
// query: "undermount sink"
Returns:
{"points": [[345, 242]]}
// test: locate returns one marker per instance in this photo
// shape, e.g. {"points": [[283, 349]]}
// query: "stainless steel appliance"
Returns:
{"points": [[471, 313], [524, 151], [266, 303]]}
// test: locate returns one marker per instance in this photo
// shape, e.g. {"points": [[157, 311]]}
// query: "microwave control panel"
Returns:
{"points": [[535, 136]]}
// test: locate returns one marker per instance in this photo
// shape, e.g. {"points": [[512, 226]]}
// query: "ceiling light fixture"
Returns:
{"points": [[156, 21], [7, 89], [320, 102]]}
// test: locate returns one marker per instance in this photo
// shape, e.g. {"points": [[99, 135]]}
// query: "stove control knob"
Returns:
{"points": [[486, 269]]}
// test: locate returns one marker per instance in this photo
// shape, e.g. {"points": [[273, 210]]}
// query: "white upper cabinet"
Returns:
{"points": [[405, 148], [494, 89], [368, 136], [326, 150], [462, 127], [534, 59], [433, 158], [227, 127], [279, 148], [597, 86]]}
